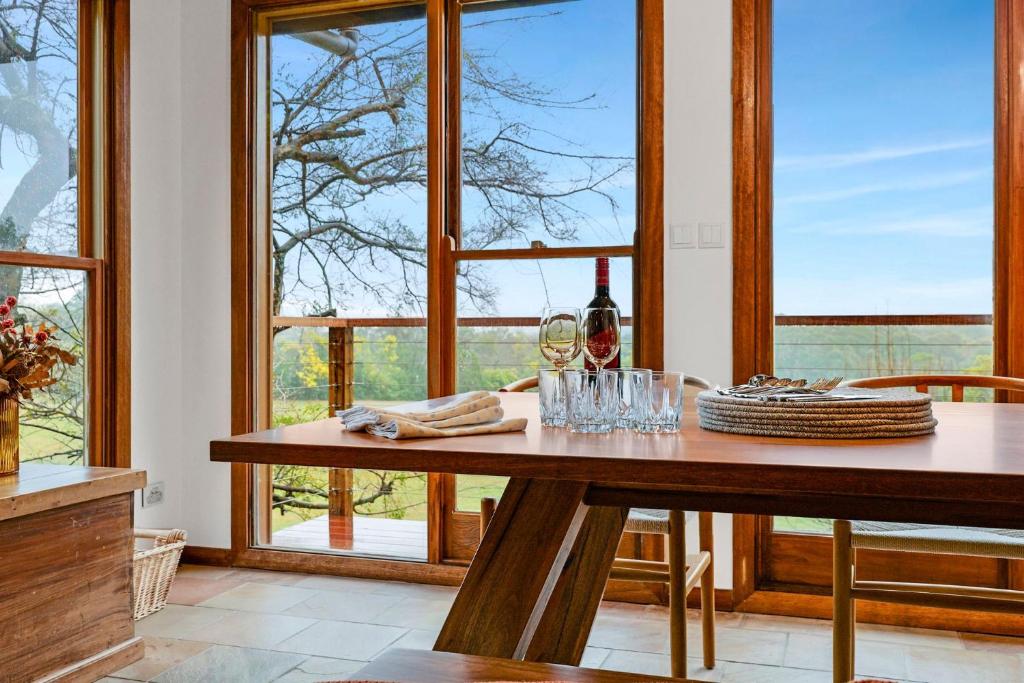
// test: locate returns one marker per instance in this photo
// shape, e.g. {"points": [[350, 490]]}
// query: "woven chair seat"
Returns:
{"points": [[950, 540], [644, 521]]}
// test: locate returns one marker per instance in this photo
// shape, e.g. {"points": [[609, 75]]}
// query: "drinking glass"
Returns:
{"points": [[602, 335], [560, 335], [591, 400], [551, 387], [634, 386], [664, 404]]}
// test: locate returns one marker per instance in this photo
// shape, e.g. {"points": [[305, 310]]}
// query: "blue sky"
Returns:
{"points": [[883, 156], [568, 50]]}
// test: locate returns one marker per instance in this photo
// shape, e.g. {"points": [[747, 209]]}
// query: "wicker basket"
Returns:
{"points": [[155, 567]]}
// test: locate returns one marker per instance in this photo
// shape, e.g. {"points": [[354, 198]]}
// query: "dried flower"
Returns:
{"points": [[29, 358], [4, 309]]}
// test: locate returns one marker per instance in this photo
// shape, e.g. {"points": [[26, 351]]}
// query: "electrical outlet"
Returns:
{"points": [[153, 494]]}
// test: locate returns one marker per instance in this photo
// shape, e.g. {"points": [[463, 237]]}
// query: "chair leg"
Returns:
{"points": [[707, 590], [677, 591], [843, 620]]}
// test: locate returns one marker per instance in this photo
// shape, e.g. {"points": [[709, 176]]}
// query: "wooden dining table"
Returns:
{"points": [[534, 586]]}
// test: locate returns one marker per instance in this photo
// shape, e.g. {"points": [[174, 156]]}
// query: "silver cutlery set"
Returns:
{"points": [[769, 388]]}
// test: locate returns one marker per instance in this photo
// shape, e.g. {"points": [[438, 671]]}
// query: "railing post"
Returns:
{"points": [[340, 482]]}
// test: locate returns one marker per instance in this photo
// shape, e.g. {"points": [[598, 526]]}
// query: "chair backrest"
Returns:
{"points": [[956, 382], [531, 383]]}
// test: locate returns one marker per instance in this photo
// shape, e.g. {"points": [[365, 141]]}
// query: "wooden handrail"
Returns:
{"points": [[780, 320], [287, 321], [872, 320]]}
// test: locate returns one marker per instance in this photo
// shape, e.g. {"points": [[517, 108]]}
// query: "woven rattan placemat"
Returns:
{"points": [[894, 413]]}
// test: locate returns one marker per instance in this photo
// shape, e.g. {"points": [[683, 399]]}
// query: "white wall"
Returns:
{"points": [[698, 189], [180, 259], [180, 215], [156, 252]]}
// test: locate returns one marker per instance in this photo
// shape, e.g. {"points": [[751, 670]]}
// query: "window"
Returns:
{"points": [[63, 232], [420, 213], [872, 144]]}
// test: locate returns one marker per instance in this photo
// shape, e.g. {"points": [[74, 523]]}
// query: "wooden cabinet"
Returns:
{"points": [[66, 573]]}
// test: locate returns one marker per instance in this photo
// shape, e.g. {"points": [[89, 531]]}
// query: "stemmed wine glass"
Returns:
{"points": [[560, 335], [602, 335], [560, 343]]}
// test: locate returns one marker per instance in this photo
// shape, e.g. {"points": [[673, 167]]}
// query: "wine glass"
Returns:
{"points": [[560, 335], [602, 335]]}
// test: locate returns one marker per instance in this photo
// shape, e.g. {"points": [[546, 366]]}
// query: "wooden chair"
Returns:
{"points": [[950, 540], [426, 666], [681, 572]]}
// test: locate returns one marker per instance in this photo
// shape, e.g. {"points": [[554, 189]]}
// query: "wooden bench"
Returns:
{"points": [[426, 666]]}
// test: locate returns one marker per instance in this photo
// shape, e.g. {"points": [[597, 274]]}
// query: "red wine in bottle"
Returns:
{"points": [[602, 299]]}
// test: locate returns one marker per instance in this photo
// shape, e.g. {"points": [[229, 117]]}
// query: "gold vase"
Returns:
{"points": [[8, 436]]}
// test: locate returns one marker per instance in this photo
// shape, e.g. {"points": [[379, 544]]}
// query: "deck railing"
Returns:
{"points": [[882, 353]]}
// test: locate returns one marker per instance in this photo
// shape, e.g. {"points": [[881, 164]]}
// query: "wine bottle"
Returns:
{"points": [[602, 299]]}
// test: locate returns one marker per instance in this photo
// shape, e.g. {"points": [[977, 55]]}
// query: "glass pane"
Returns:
{"points": [[549, 123], [349, 242], [53, 421], [500, 346], [39, 127], [883, 176]]}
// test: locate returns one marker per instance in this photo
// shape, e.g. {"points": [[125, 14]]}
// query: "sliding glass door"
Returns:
{"points": [[427, 177]]}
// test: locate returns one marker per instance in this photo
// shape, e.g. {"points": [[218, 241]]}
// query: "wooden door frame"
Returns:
{"points": [[753, 317], [442, 211]]}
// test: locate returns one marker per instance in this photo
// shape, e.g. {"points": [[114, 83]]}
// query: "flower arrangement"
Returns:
{"points": [[27, 356]]}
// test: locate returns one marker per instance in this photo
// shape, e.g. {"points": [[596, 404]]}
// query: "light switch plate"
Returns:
{"points": [[710, 236], [682, 236]]}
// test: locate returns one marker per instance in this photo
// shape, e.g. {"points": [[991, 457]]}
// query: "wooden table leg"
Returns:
{"points": [[515, 570], [562, 633]]}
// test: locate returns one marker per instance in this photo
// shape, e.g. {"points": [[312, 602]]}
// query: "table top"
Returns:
{"points": [[38, 487], [977, 450]]}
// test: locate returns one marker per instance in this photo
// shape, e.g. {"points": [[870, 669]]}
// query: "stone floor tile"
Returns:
{"points": [[345, 606], [260, 597], [1005, 644], [743, 672], [189, 590], [942, 665], [343, 640], [419, 613], [651, 664], [200, 571], [161, 655], [417, 639], [909, 636], [873, 658], [173, 621], [225, 664], [316, 669], [245, 629]]}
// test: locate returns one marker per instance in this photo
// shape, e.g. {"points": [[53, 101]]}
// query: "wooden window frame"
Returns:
{"points": [[444, 563], [790, 574], [104, 220]]}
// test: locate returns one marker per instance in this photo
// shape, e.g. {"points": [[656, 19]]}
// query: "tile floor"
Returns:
{"points": [[250, 626]]}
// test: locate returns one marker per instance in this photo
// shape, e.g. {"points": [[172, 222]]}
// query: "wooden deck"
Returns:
{"points": [[371, 536]]}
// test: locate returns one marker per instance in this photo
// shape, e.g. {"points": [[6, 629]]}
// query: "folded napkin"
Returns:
{"points": [[475, 412]]}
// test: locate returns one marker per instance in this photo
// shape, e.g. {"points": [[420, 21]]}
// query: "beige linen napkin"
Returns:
{"points": [[476, 412]]}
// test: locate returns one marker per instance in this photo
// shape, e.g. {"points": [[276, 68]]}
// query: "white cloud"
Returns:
{"points": [[875, 154], [929, 182]]}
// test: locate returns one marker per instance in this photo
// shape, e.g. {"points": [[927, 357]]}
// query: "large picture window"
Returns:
{"points": [[435, 174], [874, 144], [63, 227]]}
